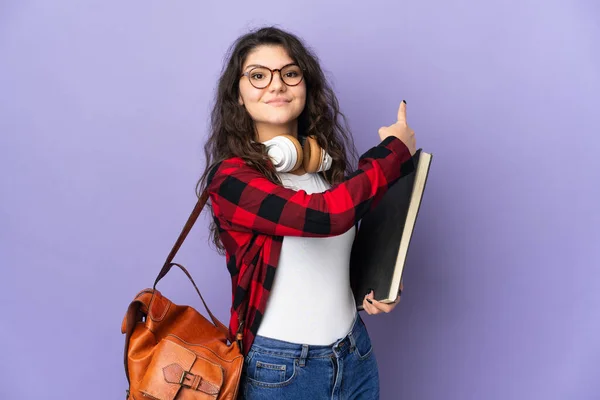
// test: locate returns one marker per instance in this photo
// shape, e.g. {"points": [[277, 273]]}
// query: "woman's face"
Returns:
{"points": [[277, 104]]}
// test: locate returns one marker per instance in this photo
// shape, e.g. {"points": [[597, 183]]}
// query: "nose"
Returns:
{"points": [[277, 83]]}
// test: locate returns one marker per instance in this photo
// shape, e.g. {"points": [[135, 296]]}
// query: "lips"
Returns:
{"points": [[278, 102]]}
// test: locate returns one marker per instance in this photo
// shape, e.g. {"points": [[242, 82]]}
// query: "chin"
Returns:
{"points": [[282, 119], [276, 116]]}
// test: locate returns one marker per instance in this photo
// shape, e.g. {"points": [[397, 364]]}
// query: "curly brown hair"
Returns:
{"points": [[232, 130]]}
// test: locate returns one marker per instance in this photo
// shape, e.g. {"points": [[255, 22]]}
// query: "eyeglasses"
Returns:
{"points": [[260, 77]]}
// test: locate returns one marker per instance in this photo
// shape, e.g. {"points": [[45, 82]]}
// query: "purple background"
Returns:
{"points": [[103, 112]]}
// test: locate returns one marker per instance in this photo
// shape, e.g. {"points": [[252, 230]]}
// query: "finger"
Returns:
{"points": [[375, 305], [382, 307], [368, 305], [370, 309], [402, 112]]}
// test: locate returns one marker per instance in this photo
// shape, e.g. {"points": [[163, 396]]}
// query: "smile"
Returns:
{"points": [[278, 102]]}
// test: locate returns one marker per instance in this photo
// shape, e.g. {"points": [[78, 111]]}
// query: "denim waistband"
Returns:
{"points": [[295, 350]]}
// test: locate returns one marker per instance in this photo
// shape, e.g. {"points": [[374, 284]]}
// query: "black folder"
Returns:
{"points": [[380, 248]]}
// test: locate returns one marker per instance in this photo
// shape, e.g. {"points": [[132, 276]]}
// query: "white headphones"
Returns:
{"points": [[287, 154]]}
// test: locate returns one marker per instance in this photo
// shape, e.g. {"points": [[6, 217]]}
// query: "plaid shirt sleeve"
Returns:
{"points": [[244, 200]]}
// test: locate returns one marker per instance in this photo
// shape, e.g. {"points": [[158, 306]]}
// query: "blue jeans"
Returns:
{"points": [[346, 369]]}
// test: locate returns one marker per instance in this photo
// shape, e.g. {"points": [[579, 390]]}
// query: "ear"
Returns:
{"points": [[240, 101]]}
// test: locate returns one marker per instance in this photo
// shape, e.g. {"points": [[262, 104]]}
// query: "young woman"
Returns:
{"points": [[285, 205]]}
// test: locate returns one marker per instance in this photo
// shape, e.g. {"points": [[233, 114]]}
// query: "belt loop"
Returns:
{"points": [[303, 355], [352, 341]]}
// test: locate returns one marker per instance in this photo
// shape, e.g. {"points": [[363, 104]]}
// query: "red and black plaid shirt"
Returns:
{"points": [[253, 215]]}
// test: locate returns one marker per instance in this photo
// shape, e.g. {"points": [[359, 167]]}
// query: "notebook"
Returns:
{"points": [[381, 246]]}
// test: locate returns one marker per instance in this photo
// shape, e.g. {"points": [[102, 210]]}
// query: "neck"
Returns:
{"points": [[269, 131]]}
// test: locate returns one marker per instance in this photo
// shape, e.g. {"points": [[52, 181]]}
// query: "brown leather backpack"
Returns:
{"points": [[171, 351]]}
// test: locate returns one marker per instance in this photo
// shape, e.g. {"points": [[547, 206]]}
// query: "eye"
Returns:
{"points": [[257, 76], [291, 74]]}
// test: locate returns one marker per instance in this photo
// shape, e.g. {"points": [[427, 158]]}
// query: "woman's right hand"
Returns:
{"points": [[401, 130]]}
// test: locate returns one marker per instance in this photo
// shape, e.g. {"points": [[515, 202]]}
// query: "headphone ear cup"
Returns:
{"points": [[285, 153], [313, 155], [299, 152]]}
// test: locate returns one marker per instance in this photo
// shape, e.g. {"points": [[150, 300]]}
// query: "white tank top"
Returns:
{"points": [[311, 301]]}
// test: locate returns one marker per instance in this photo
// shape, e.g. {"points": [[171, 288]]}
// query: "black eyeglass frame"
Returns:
{"points": [[247, 74]]}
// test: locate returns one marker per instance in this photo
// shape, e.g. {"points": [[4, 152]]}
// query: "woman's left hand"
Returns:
{"points": [[373, 307]]}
